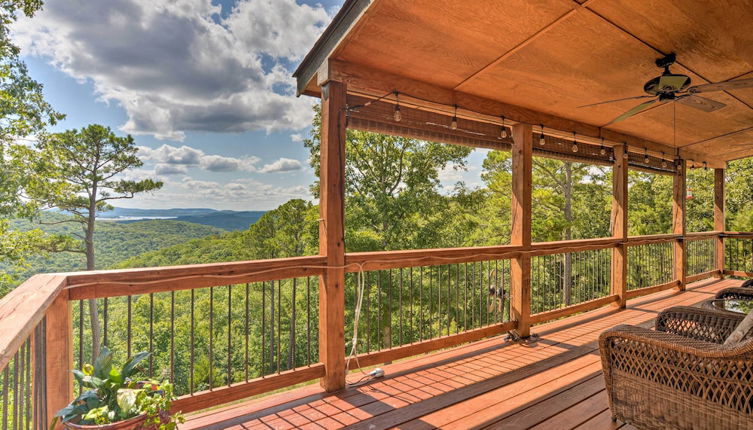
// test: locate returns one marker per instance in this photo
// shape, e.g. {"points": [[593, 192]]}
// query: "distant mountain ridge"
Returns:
{"points": [[224, 219]]}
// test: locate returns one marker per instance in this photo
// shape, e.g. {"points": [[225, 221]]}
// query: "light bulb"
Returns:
{"points": [[503, 133], [625, 155], [542, 140], [575, 147], [398, 115], [664, 164], [454, 123], [646, 160], [603, 151], [705, 166]]}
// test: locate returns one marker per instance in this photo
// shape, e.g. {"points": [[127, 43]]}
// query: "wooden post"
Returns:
{"points": [[59, 355], [678, 223], [719, 223], [619, 224], [332, 236], [520, 273]]}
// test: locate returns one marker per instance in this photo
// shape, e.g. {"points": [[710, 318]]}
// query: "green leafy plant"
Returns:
{"points": [[115, 395]]}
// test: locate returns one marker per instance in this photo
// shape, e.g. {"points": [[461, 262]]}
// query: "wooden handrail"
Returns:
{"points": [[700, 235], [112, 283], [23, 308]]}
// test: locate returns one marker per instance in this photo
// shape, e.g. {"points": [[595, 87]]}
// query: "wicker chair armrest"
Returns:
{"points": [[697, 323], [719, 374], [735, 293]]}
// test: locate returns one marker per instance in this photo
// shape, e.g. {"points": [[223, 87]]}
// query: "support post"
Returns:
{"points": [[520, 273], [719, 222], [58, 354], [619, 225], [332, 236], [678, 223]]}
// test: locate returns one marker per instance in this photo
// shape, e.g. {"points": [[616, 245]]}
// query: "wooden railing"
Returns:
{"points": [[412, 302]]}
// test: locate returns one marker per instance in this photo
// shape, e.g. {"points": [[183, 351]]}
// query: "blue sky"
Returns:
{"points": [[204, 88]]}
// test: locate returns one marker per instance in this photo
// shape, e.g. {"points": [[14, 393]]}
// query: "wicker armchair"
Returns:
{"points": [[741, 293], [680, 376]]}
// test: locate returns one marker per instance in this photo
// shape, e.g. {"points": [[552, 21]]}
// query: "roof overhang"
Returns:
{"points": [[537, 61]]}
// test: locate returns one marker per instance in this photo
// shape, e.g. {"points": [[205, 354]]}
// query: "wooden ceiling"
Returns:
{"points": [[551, 56]]}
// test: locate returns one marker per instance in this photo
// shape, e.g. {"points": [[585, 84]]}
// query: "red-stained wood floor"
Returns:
{"points": [[554, 383]]}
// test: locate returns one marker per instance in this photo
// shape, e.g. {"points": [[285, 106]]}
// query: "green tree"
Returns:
{"points": [[82, 173], [23, 114]]}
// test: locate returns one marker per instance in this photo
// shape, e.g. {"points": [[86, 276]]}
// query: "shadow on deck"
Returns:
{"points": [[555, 382]]}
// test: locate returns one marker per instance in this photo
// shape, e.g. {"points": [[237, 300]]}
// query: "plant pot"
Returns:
{"points": [[135, 423]]}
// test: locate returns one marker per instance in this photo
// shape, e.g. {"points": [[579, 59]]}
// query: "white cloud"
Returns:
{"points": [[282, 165], [170, 169], [296, 137], [187, 156], [174, 68]]}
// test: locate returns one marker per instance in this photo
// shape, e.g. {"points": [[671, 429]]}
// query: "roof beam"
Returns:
{"points": [[365, 80], [341, 25]]}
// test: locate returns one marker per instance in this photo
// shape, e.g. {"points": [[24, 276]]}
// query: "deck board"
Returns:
{"points": [[555, 382]]}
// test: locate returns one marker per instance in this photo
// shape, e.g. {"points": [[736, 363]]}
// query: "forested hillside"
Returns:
{"points": [[114, 242]]}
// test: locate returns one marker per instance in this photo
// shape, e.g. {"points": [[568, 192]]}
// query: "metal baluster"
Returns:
{"points": [[367, 292], [439, 301], [229, 334], [412, 305], [27, 386], [211, 337], [389, 305], [465, 297], [421, 303], [291, 349], [105, 317], [308, 320], [16, 386], [380, 336], [431, 301], [246, 323], [263, 327], [400, 305], [191, 341], [457, 298], [128, 328], [80, 336], [151, 334], [279, 325], [172, 335]]}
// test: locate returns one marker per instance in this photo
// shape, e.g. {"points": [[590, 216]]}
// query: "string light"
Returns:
{"points": [[454, 123], [625, 154], [602, 149], [692, 164], [575, 144], [542, 140], [397, 115], [503, 132], [646, 160], [705, 166], [663, 161], [679, 165]]}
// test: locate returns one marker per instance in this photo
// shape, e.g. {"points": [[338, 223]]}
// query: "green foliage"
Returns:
{"points": [[115, 395], [113, 242]]}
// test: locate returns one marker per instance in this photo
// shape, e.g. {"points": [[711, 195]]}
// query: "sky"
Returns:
{"points": [[205, 89]]}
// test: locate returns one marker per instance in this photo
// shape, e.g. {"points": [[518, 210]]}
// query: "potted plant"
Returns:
{"points": [[115, 399]]}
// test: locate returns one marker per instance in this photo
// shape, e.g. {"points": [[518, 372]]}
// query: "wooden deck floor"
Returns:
{"points": [[555, 383]]}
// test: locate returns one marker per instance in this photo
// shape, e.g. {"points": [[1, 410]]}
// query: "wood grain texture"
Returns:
{"points": [[23, 308], [520, 232], [375, 83], [59, 354], [332, 237], [719, 218], [679, 191], [619, 225], [218, 396], [551, 56], [417, 348], [574, 309]]}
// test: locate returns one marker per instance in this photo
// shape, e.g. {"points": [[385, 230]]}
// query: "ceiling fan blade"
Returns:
{"points": [[722, 86], [633, 111], [698, 102], [617, 100]]}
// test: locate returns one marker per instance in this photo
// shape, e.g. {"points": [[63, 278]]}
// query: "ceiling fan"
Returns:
{"points": [[671, 87]]}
